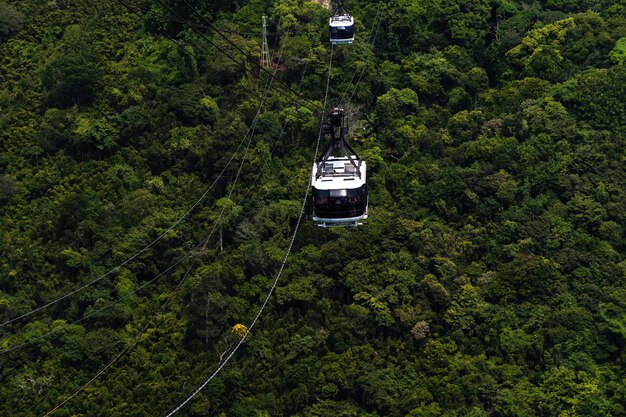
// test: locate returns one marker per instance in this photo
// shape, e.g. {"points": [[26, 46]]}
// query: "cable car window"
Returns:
{"points": [[339, 204], [338, 193], [342, 32]]}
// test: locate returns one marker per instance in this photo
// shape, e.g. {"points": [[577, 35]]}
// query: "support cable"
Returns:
{"points": [[366, 60], [238, 63], [249, 134], [280, 271], [135, 340], [171, 227], [238, 48], [371, 41]]}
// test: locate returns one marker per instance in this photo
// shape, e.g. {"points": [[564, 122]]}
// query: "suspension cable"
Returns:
{"points": [[238, 48], [280, 271], [100, 277], [171, 227], [371, 41], [238, 63], [366, 60], [135, 340], [118, 300], [249, 135]]}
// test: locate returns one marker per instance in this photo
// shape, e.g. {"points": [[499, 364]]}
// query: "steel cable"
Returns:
{"points": [[152, 320], [280, 271]]}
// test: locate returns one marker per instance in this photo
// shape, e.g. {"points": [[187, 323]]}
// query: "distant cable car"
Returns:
{"points": [[341, 26], [339, 182]]}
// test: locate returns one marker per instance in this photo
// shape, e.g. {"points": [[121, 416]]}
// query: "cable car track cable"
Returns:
{"points": [[249, 134], [234, 45], [238, 63], [280, 271], [164, 304], [157, 239], [99, 278], [130, 344], [371, 41]]}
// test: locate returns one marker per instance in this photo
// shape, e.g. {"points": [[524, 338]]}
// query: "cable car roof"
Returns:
{"points": [[341, 20], [338, 173]]}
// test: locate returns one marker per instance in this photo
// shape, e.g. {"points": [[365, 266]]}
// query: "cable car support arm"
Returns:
{"points": [[338, 129]]}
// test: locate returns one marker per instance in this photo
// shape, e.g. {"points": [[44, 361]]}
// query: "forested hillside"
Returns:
{"points": [[152, 176]]}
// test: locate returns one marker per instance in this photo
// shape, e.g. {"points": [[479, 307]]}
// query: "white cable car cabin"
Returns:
{"points": [[341, 26], [339, 182]]}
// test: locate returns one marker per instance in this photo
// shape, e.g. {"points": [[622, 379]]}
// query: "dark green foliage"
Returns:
{"points": [[598, 96], [488, 281], [11, 19]]}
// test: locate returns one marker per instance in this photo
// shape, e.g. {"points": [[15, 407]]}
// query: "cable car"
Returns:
{"points": [[339, 182], [341, 26]]}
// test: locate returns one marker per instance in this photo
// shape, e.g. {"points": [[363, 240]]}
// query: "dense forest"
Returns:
{"points": [[152, 176]]}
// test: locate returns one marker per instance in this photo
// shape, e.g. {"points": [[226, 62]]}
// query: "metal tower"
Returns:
{"points": [[265, 54]]}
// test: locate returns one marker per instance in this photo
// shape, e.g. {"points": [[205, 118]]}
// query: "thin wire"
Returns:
{"points": [[136, 338], [99, 278], [366, 60], [239, 64], [280, 271], [134, 341], [250, 134], [238, 48], [152, 320], [87, 285], [111, 304], [130, 344], [369, 41]]}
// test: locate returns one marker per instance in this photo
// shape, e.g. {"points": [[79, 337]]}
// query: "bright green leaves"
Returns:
{"points": [[517, 399], [585, 212], [91, 133], [191, 106], [565, 46], [430, 74], [188, 142], [465, 310], [476, 81], [211, 108], [396, 101], [508, 97], [76, 259], [517, 343], [395, 117], [618, 54], [569, 393], [539, 53], [614, 314], [467, 22]]}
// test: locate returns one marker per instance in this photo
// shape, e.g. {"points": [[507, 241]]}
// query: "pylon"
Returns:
{"points": [[265, 55]]}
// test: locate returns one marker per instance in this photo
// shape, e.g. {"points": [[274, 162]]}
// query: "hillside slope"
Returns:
{"points": [[488, 281]]}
